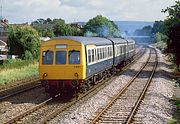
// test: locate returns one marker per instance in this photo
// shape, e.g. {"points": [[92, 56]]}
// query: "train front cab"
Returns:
{"points": [[62, 66]]}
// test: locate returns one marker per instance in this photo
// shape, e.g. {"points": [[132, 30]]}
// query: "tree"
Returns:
{"points": [[158, 26], [48, 33], [102, 27], [145, 31], [55, 27], [172, 30], [60, 28], [23, 41], [161, 41], [42, 21], [44, 27]]}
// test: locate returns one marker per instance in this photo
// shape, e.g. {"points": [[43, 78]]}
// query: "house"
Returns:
{"points": [[3, 32], [78, 25], [3, 39]]}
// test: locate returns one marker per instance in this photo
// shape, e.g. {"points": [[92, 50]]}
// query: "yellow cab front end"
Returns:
{"points": [[62, 65]]}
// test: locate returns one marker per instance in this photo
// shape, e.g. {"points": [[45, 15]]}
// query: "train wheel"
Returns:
{"points": [[83, 89], [94, 80]]}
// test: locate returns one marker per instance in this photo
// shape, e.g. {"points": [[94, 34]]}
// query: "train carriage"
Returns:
{"points": [[119, 50], [131, 49]]}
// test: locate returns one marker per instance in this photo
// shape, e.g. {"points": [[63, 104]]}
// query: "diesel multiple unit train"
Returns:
{"points": [[71, 64]]}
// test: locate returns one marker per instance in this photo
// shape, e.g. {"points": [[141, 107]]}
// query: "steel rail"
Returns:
{"points": [[133, 112], [20, 83], [13, 120], [18, 92], [104, 110]]}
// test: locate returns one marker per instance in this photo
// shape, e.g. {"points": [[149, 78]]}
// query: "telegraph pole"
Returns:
{"points": [[1, 7]]}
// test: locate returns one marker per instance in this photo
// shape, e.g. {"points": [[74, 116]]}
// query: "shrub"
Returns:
{"points": [[28, 55], [23, 39]]}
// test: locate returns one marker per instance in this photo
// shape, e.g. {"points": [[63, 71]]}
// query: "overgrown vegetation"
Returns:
{"points": [[176, 115], [172, 31], [172, 121], [14, 63], [167, 33], [24, 41], [160, 40], [177, 103], [10, 75]]}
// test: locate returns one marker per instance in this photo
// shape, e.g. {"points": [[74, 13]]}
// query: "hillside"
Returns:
{"points": [[128, 26], [131, 26]]}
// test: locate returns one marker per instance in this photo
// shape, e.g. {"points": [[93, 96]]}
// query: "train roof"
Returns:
{"points": [[118, 40], [122, 40], [95, 40], [131, 40], [87, 40]]}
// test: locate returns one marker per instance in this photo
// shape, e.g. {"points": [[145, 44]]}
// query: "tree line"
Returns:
{"points": [[24, 41], [172, 31], [158, 26], [166, 32]]}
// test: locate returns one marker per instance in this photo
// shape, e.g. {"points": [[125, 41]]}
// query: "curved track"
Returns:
{"points": [[123, 107]]}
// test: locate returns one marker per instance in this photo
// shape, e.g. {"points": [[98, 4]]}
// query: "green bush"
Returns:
{"points": [[172, 121], [161, 41], [23, 39], [28, 55]]}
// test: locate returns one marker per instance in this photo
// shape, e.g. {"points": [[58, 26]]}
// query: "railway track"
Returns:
{"points": [[123, 106], [9, 91], [54, 111], [17, 83]]}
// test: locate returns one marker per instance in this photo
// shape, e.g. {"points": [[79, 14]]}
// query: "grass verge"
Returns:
{"points": [[176, 114], [14, 74], [172, 121]]}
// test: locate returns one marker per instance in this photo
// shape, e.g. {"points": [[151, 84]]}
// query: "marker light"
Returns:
{"points": [[61, 46]]}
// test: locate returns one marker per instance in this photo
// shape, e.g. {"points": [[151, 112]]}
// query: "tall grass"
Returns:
{"points": [[172, 121], [8, 75], [14, 63]]}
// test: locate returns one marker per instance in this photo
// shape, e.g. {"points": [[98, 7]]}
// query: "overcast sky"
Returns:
{"points": [[20, 11]]}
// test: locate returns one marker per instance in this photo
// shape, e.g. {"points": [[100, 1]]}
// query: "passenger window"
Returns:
{"points": [[93, 55], [60, 57], [110, 51], [98, 53], [89, 56], [106, 52], [101, 53], [47, 57], [74, 57]]}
